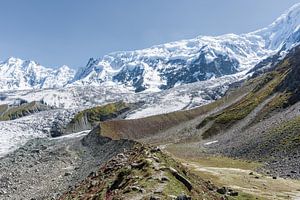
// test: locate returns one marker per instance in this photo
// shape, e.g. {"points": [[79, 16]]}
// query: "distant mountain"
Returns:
{"points": [[17, 74], [167, 65]]}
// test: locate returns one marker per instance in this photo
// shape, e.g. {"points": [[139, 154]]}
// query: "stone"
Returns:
{"points": [[164, 179], [183, 197], [136, 188], [94, 182], [172, 197], [121, 155], [159, 191], [35, 151], [3, 191], [68, 174], [224, 198], [222, 190], [182, 179], [233, 193], [139, 165], [154, 198], [155, 149]]}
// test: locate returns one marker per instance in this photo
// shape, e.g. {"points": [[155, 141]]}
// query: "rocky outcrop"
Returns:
{"points": [[142, 172]]}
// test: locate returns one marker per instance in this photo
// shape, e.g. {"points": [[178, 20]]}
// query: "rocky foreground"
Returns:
{"points": [[45, 168], [142, 173]]}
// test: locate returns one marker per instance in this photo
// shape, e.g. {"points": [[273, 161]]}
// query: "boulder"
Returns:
{"points": [[183, 197], [222, 190]]}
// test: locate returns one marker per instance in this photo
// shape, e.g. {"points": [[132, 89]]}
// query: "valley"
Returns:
{"points": [[214, 118]]}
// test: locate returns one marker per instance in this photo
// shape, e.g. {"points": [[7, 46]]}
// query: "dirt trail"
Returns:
{"points": [[249, 182]]}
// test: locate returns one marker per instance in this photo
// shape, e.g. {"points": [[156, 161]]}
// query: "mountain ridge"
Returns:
{"points": [[171, 64], [17, 74]]}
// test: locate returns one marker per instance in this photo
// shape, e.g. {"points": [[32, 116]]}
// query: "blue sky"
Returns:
{"points": [[57, 32]]}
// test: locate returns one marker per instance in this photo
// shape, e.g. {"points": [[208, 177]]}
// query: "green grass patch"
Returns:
{"points": [[238, 111], [100, 113]]}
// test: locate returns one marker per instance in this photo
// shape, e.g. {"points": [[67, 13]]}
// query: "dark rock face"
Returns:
{"points": [[265, 65], [198, 70], [179, 71], [133, 76], [85, 71]]}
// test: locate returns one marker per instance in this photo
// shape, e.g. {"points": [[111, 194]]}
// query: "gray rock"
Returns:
{"points": [[182, 179], [164, 179], [233, 193], [222, 190], [67, 174], [154, 198], [183, 197]]}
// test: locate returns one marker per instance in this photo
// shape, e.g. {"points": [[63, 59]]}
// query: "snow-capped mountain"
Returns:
{"points": [[167, 65], [17, 74]]}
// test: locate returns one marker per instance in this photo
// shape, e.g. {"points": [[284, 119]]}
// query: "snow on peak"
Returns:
{"points": [[284, 31], [166, 65], [17, 74]]}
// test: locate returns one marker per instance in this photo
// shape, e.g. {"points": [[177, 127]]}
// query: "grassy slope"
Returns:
{"points": [[100, 113], [266, 85], [89, 118], [21, 111]]}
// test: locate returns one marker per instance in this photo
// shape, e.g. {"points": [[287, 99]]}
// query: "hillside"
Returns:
{"points": [[87, 119], [142, 173]]}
